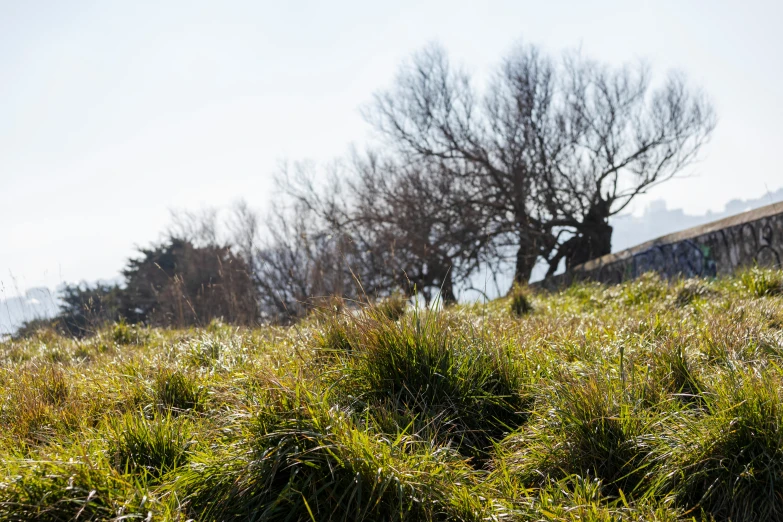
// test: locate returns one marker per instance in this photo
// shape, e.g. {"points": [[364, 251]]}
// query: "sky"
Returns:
{"points": [[113, 113]]}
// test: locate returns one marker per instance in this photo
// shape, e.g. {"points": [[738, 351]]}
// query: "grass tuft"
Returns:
{"points": [[393, 307], [336, 334], [520, 301], [53, 385], [730, 464], [675, 373], [176, 391], [588, 430], [311, 463], [762, 282], [690, 291], [647, 289], [464, 387], [53, 491], [148, 448]]}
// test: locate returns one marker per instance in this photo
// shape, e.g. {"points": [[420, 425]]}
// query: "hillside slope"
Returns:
{"points": [[646, 401]]}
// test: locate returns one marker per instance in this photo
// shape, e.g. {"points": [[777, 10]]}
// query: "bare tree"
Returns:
{"points": [[551, 150], [301, 263], [425, 222], [623, 138], [244, 232], [411, 227], [532, 168]]}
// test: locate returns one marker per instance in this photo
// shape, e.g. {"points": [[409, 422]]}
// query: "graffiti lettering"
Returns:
{"points": [[757, 239]]}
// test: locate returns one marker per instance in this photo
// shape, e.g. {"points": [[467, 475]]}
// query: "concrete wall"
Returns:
{"points": [[716, 248]]}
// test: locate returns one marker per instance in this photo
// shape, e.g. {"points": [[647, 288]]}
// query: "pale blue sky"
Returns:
{"points": [[113, 112]]}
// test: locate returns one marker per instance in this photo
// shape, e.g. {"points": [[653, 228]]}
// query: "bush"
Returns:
{"points": [[87, 308], [177, 283], [40, 328]]}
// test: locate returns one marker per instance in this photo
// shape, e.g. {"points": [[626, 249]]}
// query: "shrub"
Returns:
{"points": [[177, 283], [43, 329]]}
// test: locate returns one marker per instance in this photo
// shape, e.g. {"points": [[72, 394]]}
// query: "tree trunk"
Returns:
{"points": [[526, 260], [594, 240]]}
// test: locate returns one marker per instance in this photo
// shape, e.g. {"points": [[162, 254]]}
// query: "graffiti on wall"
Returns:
{"points": [[756, 241], [685, 258]]}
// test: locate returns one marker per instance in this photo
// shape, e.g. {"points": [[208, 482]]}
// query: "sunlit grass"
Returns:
{"points": [[645, 401]]}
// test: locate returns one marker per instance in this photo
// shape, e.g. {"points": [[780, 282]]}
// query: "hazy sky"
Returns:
{"points": [[113, 112]]}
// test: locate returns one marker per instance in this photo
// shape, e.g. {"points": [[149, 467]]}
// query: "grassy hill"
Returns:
{"points": [[646, 401]]}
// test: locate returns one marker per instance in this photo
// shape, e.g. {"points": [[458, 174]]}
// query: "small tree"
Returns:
{"points": [[176, 283], [85, 308]]}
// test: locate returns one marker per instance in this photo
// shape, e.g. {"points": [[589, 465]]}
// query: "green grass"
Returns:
{"points": [[304, 459], [426, 371], [147, 447], [729, 462], [58, 491], [644, 401], [590, 429], [762, 282], [176, 391]]}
